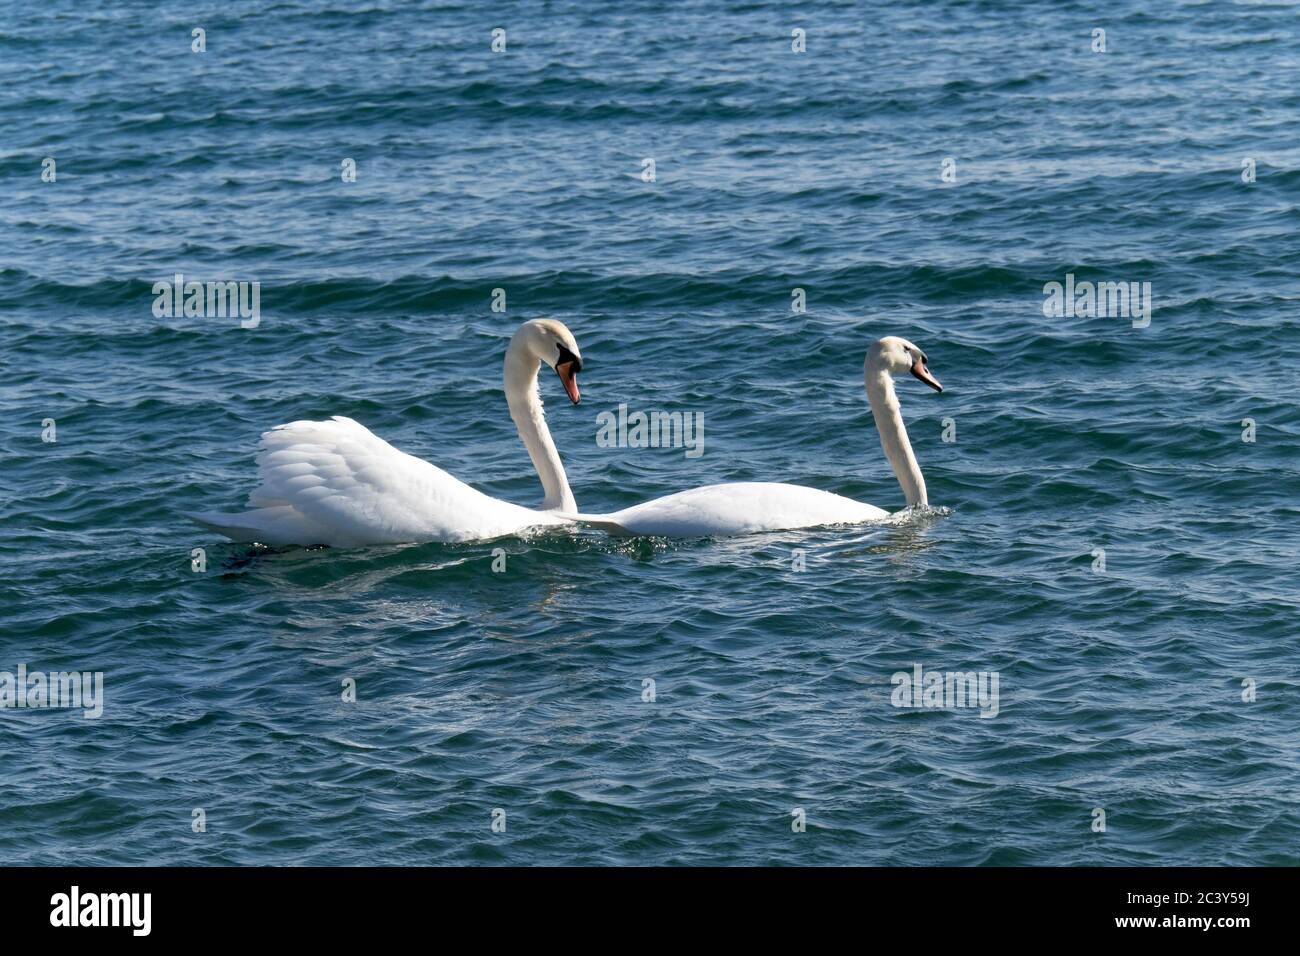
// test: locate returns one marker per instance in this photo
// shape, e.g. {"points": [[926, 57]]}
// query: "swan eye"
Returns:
{"points": [[567, 356]]}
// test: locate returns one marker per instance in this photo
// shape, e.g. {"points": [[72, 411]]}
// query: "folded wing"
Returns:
{"points": [[335, 482], [734, 508]]}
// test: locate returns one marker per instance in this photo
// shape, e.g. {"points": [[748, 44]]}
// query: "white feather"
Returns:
{"points": [[338, 483], [736, 508], [752, 506]]}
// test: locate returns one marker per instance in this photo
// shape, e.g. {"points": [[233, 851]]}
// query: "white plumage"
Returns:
{"points": [[337, 483], [751, 506], [741, 507]]}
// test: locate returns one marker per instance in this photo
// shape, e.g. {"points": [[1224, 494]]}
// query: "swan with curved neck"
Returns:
{"points": [[751, 506], [337, 483]]}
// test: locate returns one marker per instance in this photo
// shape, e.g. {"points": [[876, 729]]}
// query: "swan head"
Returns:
{"points": [[897, 355], [549, 341]]}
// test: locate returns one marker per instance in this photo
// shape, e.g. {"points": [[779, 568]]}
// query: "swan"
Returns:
{"points": [[337, 483], [751, 506]]}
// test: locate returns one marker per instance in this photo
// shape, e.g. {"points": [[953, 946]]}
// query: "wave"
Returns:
{"points": [[855, 286]]}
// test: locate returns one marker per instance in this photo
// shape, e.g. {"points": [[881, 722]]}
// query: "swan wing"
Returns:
{"points": [[335, 482], [734, 508]]}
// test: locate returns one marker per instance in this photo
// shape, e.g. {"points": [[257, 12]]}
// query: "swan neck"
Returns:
{"points": [[526, 410], [893, 435]]}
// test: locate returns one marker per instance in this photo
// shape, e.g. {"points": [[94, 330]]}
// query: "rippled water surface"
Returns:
{"points": [[775, 171]]}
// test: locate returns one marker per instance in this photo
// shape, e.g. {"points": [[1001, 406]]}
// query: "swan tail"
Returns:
{"points": [[280, 525], [604, 523]]}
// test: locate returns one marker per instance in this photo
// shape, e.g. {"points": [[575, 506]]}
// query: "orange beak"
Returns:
{"points": [[923, 373], [569, 378]]}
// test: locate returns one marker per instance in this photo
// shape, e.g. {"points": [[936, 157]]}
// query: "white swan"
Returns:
{"points": [[339, 484], [750, 506]]}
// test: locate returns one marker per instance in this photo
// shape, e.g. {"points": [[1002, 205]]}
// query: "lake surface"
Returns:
{"points": [[1104, 541]]}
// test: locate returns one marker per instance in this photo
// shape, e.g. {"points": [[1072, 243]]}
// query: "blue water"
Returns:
{"points": [[522, 691]]}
